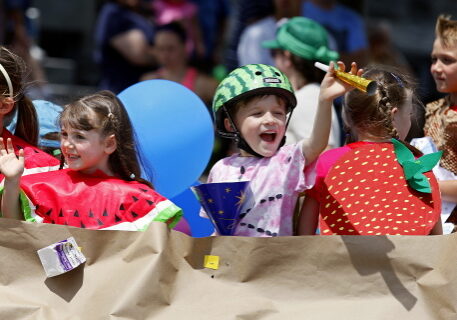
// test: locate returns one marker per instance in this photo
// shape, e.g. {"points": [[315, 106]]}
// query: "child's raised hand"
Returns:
{"points": [[11, 166], [332, 87]]}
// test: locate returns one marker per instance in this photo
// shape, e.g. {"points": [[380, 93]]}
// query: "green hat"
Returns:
{"points": [[304, 38], [249, 80]]}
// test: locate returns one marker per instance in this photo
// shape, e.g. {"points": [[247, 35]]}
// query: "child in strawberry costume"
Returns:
{"points": [[377, 185], [14, 101], [101, 188]]}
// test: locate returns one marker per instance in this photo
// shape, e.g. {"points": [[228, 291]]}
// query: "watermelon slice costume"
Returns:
{"points": [[96, 201], [36, 160], [366, 192]]}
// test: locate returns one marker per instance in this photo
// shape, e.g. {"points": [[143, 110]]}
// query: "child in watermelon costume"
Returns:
{"points": [[252, 105], [14, 101], [377, 185], [441, 115], [101, 188]]}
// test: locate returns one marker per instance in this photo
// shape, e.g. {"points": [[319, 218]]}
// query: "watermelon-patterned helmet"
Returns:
{"points": [[251, 79]]}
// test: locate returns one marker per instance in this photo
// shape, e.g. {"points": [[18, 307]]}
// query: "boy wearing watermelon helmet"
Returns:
{"points": [[252, 105]]}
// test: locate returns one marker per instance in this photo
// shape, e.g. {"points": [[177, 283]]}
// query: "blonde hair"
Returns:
{"points": [[446, 30]]}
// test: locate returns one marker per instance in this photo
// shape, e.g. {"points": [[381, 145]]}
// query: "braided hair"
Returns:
{"points": [[372, 114]]}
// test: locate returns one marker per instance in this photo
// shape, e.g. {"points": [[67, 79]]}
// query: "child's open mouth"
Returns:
{"points": [[72, 157], [268, 137]]}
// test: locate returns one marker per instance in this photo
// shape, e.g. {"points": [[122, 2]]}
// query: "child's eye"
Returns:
{"points": [[434, 60], [80, 136]]}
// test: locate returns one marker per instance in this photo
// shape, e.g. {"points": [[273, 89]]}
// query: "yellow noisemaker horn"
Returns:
{"points": [[365, 85]]}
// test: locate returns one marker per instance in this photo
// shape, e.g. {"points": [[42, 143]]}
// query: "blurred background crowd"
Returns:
{"points": [[76, 47], [196, 42]]}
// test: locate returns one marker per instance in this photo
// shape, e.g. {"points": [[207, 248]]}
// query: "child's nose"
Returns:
{"points": [[65, 143], [268, 118], [437, 66]]}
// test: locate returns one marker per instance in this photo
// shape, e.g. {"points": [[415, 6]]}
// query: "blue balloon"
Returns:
{"points": [[174, 130], [200, 227]]}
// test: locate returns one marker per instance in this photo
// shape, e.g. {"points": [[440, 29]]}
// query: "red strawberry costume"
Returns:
{"points": [[363, 189], [36, 160], [96, 201]]}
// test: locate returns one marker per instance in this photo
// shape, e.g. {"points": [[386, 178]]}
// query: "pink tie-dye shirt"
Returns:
{"points": [[275, 184]]}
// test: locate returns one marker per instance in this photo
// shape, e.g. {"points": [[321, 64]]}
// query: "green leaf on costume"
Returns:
{"points": [[402, 152], [414, 168]]}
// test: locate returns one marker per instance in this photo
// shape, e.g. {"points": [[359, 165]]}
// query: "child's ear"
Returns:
{"points": [[287, 59], [393, 112], [110, 144], [228, 125], [6, 105]]}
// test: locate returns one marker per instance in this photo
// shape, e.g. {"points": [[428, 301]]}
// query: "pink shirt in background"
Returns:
{"points": [[167, 12]]}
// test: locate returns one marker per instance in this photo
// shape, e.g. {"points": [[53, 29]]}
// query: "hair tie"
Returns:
{"points": [[8, 80], [132, 176]]}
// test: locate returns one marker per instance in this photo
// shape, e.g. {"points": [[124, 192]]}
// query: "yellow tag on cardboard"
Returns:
{"points": [[211, 262]]}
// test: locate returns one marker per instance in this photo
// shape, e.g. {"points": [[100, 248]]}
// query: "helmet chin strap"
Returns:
{"points": [[240, 141]]}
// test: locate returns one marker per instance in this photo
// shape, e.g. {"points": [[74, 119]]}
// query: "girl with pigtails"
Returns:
{"points": [[101, 188], [13, 100], [376, 184]]}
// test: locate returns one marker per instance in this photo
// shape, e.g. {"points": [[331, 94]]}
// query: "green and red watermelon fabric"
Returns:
{"points": [[97, 201], [366, 193], [36, 160]]}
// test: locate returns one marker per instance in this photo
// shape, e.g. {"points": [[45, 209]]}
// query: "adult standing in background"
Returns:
{"points": [[250, 48], [344, 24], [173, 60], [213, 16], [18, 35], [123, 40], [299, 43]]}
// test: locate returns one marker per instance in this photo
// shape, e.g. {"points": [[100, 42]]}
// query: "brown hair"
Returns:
{"points": [[303, 66], [372, 113], [111, 118], [27, 122], [446, 30]]}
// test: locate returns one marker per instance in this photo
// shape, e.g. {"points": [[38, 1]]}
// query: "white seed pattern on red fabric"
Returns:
{"points": [[385, 200]]}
